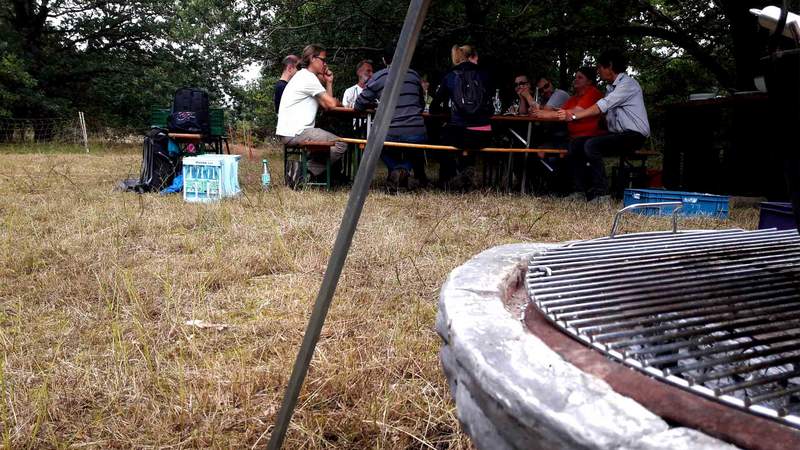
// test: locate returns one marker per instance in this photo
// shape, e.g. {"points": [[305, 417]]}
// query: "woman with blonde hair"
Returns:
{"points": [[468, 89], [461, 53]]}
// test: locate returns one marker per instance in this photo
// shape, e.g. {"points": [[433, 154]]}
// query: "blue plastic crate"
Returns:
{"points": [[209, 178], [694, 204]]}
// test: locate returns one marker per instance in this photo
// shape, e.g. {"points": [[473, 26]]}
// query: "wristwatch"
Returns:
{"points": [[574, 117]]}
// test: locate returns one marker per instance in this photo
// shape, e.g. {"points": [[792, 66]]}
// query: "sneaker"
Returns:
{"points": [[292, 175], [576, 197], [404, 176], [604, 200], [413, 184], [467, 180], [397, 178]]}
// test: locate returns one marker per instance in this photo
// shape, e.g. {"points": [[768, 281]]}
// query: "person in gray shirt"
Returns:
{"points": [[550, 97], [627, 122]]}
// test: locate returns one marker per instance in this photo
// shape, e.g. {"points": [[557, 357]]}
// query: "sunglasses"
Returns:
{"points": [[322, 59], [522, 83]]}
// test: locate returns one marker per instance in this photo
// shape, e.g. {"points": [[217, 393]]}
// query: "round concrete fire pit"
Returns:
{"points": [[513, 391]]}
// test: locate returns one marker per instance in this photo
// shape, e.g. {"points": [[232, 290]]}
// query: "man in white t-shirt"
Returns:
{"points": [[298, 109], [364, 73]]}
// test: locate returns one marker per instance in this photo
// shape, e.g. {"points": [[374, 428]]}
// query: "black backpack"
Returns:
{"points": [[469, 93], [158, 168], [190, 112]]}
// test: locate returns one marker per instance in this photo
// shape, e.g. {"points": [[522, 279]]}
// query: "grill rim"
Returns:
{"points": [[539, 264]]}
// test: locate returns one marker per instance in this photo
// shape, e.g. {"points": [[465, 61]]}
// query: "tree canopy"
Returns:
{"points": [[116, 58]]}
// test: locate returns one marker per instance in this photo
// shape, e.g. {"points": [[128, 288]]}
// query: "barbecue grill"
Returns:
{"points": [[714, 312]]}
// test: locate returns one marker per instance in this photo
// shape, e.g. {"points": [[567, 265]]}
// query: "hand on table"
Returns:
{"points": [[564, 115]]}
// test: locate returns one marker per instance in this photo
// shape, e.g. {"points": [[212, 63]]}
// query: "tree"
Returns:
{"points": [[114, 59]]}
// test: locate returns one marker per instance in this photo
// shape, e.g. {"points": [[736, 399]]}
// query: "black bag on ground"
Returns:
{"points": [[189, 112], [158, 168]]}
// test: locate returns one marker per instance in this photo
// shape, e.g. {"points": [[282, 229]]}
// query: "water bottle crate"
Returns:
{"points": [[694, 204], [209, 178]]}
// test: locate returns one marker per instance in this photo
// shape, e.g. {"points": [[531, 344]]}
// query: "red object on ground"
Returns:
{"points": [[654, 178]]}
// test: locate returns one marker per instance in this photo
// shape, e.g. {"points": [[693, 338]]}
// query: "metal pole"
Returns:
{"points": [[82, 121], [400, 63]]}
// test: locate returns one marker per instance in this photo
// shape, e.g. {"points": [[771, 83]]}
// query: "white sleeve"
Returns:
{"points": [[349, 97]]}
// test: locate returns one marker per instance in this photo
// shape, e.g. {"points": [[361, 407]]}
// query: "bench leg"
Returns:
{"points": [[303, 168], [328, 174], [627, 174], [285, 166]]}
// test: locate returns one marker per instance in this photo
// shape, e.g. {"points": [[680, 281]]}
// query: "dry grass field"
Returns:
{"points": [[99, 291]]}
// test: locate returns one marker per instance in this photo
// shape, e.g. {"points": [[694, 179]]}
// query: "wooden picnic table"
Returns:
{"points": [[501, 118]]}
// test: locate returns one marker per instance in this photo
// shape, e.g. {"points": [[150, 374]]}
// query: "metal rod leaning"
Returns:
{"points": [[415, 16]]}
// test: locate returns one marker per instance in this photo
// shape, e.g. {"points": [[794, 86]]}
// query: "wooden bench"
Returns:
{"points": [[540, 152], [295, 163]]}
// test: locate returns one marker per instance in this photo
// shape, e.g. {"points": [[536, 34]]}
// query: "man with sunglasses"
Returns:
{"points": [[302, 97], [523, 89], [550, 98]]}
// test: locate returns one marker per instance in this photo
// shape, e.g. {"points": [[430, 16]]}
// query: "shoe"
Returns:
{"points": [[465, 181], [576, 197], [414, 184], [604, 200], [292, 175], [397, 178], [404, 176]]}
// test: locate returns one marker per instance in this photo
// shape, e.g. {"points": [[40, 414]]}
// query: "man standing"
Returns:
{"points": [[364, 73], [289, 69], [300, 102], [626, 118], [407, 124]]}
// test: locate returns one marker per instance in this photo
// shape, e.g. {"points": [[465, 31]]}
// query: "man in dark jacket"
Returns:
{"points": [[407, 125]]}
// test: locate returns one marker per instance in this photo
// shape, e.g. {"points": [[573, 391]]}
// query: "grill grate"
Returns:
{"points": [[716, 312]]}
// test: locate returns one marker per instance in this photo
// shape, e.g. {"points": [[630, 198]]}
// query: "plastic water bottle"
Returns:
{"points": [[498, 106], [265, 175]]}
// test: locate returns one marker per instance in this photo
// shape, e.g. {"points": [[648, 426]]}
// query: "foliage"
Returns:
{"points": [[546, 37], [115, 59]]}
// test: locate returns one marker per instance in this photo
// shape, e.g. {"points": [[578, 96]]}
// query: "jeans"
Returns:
{"points": [[586, 158], [408, 159], [316, 165]]}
